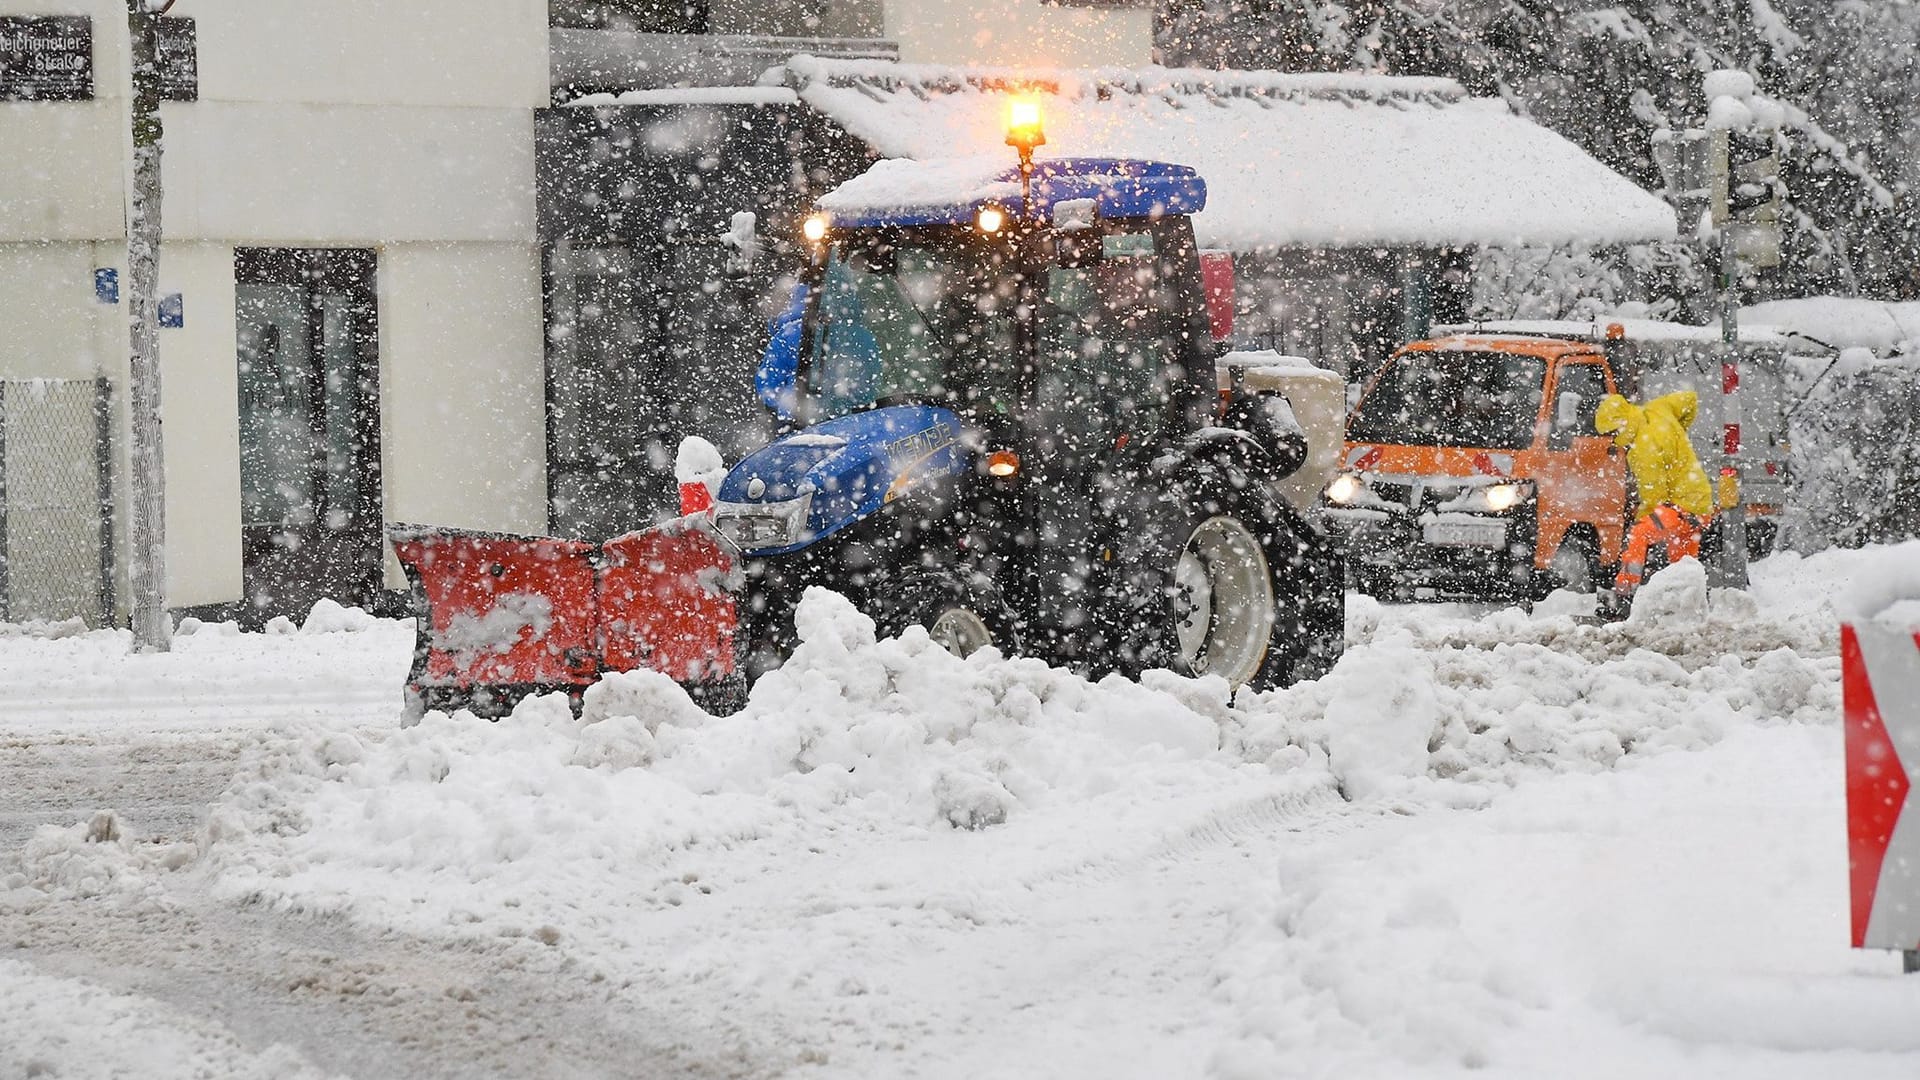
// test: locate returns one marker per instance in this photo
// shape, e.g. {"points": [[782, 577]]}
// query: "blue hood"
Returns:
{"points": [[851, 465]]}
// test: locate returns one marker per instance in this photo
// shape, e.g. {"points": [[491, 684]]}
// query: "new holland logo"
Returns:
{"points": [[921, 444], [908, 453]]}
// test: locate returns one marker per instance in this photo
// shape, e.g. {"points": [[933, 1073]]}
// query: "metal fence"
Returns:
{"points": [[56, 501], [1856, 455]]}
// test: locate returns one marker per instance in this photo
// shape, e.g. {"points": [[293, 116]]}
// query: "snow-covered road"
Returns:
{"points": [[1489, 842]]}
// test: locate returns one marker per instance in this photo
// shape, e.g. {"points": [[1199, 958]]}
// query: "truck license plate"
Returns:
{"points": [[1466, 533]]}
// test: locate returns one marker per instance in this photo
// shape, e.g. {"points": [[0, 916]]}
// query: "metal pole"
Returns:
{"points": [[147, 520], [1732, 568]]}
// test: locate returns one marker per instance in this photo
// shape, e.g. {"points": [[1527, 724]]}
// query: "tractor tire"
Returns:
{"points": [[962, 613], [1236, 589]]}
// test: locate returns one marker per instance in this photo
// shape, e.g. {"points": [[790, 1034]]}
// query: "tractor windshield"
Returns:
{"points": [[1107, 344], [1443, 397], [905, 322]]}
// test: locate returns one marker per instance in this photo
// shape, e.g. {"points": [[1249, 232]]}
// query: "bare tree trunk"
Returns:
{"points": [[147, 524]]}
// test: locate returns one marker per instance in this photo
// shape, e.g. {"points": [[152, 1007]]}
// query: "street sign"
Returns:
{"points": [[1756, 245], [1880, 686], [46, 58]]}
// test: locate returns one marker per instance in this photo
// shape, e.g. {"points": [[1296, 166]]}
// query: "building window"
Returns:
{"points": [[644, 16]]}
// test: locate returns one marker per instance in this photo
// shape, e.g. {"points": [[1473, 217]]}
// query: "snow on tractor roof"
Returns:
{"points": [[1331, 160], [901, 192]]}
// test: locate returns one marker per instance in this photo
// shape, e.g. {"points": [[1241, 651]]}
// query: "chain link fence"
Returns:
{"points": [[1856, 443], [56, 505]]}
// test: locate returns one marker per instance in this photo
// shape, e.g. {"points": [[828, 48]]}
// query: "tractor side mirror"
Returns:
{"points": [[1216, 281]]}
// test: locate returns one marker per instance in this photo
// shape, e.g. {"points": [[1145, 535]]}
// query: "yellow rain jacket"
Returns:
{"points": [[1655, 438]]}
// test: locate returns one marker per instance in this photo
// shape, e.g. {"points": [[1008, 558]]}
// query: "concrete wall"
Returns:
{"points": [[200, 418], [1020, 33], [454, 53], [354, 175], [52, 322], [463, 387]]}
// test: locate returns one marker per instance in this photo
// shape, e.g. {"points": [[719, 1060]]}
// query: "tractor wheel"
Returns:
{"points": [[1224, 607], [962, 613], [1237, 590]]}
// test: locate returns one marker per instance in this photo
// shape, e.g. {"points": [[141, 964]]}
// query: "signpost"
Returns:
{"points": [[1880, 684]]}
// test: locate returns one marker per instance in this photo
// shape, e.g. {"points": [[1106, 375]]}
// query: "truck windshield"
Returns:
{"points": [[901, 322], [1485, 400]]}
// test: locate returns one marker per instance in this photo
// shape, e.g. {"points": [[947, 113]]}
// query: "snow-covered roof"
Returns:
{"points": [[1332, 160], [691, 95], [1643, 330], [1886, 327]]}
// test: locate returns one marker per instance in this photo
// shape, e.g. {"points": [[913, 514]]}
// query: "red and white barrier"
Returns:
{"points": [[1880, 682]]}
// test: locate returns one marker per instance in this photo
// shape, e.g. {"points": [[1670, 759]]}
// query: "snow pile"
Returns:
{"points": [[1471, 704], [851, 733], [459, 821], [89, 860], [331, 617]]}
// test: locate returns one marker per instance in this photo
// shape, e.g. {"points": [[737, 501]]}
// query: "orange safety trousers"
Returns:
{"points": [[1669, 534]]}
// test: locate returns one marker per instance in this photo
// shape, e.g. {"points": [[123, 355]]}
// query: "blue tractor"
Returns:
{"points": [[1002, 420]]}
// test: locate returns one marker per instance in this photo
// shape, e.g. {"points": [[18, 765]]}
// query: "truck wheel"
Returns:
{"points": [[962, 614], [1223, 603], [1575, 566]]}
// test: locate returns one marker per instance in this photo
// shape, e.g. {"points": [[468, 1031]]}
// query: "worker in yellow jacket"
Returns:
{"points": [[1676, 502]]}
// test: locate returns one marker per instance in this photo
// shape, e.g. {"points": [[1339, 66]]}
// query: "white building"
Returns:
{"points": [[351, 235]]}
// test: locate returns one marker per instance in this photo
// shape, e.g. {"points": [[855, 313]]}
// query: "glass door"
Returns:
{"points": [[306, 343]]}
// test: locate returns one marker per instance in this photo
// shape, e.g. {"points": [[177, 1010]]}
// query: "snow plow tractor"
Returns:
{"points": [[1005, 422]]}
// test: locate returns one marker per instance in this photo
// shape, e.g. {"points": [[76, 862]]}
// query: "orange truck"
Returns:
{"points": [[1472, 469]]}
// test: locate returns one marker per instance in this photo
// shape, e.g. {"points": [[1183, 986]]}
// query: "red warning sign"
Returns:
{"points": [[1880, 684]]}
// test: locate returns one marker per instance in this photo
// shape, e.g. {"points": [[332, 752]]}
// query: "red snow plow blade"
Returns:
{"points": [[502, 617]]}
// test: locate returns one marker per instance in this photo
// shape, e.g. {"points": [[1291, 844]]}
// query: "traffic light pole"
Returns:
{"points": [[1730, 569], [147, 520]]}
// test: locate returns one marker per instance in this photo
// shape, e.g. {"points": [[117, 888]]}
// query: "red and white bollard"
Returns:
{"points": [[699, 468], [1880, 684]]}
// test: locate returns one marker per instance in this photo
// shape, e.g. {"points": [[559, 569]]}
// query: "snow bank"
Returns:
{"points": [[892, 735], [1627, 923], [455, 816]]}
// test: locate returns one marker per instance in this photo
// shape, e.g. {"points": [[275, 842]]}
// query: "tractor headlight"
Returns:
{"points": [[1344, 489], [758, 526]]}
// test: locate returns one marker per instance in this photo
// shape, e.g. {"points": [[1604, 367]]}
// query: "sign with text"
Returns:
{"points": [[46, 58], [1880, 685], [176, 53]]}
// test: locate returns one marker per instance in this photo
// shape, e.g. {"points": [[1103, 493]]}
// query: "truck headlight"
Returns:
{"points": [[1491, 498], [1344, 489], [758, 526]]}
